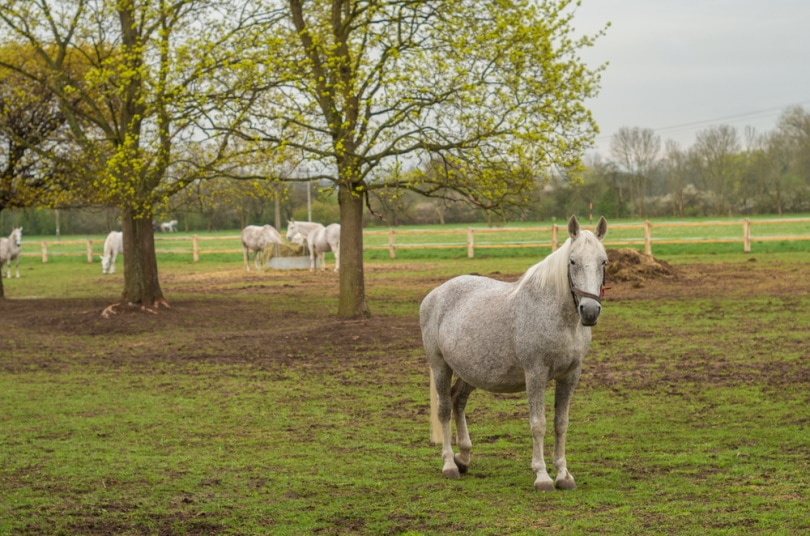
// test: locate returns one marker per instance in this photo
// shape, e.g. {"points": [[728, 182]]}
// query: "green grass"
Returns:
{"points": [[517, 239], [151, 432]]}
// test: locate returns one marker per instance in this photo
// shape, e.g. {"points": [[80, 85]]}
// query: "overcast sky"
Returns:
{"points": [[681, 67]]}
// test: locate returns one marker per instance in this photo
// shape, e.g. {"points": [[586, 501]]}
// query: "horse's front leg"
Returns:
{"points": [[562, 401], [536, 391]]}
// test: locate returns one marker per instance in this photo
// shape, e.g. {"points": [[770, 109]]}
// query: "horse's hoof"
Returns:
{"points": [[451, 473], [566, 483], [544, 485], [462, 467]]}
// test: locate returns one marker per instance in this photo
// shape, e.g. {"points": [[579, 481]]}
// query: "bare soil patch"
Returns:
{"points": [[273, 327]]}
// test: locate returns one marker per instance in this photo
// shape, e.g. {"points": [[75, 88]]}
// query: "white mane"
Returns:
{"points": [[551, 272]]}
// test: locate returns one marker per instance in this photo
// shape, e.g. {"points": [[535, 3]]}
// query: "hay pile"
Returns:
{"points": [[634, 266], [287, 249]]}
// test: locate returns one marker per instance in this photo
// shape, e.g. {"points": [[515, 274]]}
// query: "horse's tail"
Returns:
{"points": [[435, 426]]}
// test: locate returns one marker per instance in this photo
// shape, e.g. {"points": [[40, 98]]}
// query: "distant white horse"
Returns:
{"points": [[168, 226], [10, 251], [113, 245], [318, 240], [256, 239], [511, 337]]}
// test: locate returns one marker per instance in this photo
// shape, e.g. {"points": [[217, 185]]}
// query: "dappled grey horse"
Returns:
{"points": [[10, 251], [113, 246], [256, 239], [510, 337], [318, 240]]}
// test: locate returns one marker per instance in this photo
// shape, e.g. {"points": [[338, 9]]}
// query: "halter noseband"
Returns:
{"points": [[577, 293]]}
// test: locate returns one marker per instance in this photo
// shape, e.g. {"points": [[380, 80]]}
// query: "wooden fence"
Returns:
{"points": [[555, 235], [471, 238]]}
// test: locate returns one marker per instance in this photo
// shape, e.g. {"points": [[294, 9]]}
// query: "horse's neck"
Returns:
{"points": [[548, 302]]}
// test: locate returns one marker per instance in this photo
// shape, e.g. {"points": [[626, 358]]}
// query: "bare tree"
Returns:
{"points": [[636, 150], [717, 150]]}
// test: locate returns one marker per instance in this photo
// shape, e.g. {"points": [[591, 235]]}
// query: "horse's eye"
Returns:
{"points": [[604, 263], [573, 262]]}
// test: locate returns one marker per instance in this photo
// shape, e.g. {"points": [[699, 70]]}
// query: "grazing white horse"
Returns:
{"points": [[511, 337], [10, 251], [113, 245], [318, 240], [256, 239], [168, 226]]}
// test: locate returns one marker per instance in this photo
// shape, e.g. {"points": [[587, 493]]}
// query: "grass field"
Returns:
{"points": [[248, 408], [450, 241]]}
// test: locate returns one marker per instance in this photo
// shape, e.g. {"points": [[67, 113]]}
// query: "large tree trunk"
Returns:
{"points": [[141, 285], [352, 301]]}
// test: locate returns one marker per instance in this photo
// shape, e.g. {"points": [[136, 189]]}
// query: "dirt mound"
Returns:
{"points": [[634, 266]]}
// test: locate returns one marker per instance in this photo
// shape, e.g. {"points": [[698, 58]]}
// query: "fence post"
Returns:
{"points": [[195, 249], [470, 243], [391, 250], [747, 235], [44, 252], [648, 237], [89, 251], [554, 237]]}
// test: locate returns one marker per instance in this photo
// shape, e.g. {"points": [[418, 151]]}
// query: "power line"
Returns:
{"points": [[744, 115], [739, 116]]}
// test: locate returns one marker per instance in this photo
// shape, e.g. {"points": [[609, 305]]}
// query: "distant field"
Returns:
{"points": [[527, 239]]}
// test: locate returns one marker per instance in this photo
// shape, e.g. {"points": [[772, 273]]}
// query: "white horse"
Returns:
{"points": [[318, 240], [113, 245], [168, 226], [256, 239], [10, 251], [511, 337]]}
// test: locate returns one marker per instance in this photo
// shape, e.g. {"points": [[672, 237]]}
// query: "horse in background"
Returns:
{"points": [[256, 239], [10, 251], [113, 245], [318, 240], [511, 337], [168, 226]]}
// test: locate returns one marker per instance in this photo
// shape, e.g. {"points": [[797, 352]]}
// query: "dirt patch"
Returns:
{"points": [[271, 324], [630, 265]]}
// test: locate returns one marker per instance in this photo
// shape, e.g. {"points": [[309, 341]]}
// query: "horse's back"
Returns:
{"points": [[114, 243]]}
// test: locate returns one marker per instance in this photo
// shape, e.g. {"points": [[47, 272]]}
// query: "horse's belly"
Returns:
{"points": [[494, 369]]}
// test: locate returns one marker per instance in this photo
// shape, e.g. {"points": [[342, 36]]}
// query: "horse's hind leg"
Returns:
{"points": [[459, 394], [442, 381]]}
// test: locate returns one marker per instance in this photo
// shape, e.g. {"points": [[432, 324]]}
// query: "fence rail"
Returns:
{"points": [[553, 232], [471, 238]]}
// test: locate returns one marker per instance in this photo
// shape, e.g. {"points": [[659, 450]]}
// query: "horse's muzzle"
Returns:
{"points": [[589, 311]]}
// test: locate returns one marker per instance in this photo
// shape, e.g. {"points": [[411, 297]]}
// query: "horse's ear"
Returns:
{"points": [[601, 228], [573, 227]]}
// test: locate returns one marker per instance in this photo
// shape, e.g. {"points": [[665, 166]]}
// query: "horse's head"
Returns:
{"points": [[105, 263], [587, 261], [291, 230], [297, 238], [16, 235]]}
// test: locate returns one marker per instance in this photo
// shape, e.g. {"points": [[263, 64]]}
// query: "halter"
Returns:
{"points": [[578, 293]]}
